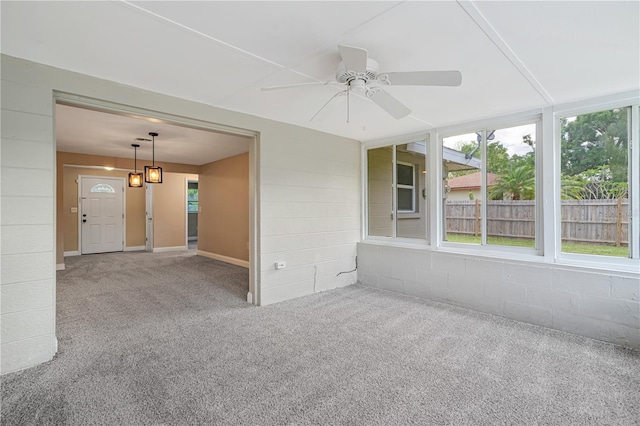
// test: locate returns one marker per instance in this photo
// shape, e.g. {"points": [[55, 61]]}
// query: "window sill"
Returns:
{"points": [[629, 267]]}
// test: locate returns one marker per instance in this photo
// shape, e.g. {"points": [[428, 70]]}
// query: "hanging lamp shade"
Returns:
{"points": [[135, 179], [153, 174]]}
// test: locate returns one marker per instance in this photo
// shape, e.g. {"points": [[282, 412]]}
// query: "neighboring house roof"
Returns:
{"points": [[471, 181], [453, 160]]}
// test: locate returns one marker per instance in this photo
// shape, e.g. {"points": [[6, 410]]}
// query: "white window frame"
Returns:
{"points": [[425, 137], [482, 126], [587, 107], [548, 146]]}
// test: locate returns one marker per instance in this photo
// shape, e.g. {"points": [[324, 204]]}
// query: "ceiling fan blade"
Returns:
{"points": [[391, 105], [424, 78], [289, 86], [354, 58]]}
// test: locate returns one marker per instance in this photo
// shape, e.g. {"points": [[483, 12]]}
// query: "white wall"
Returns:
{"points": [[310, 207], [310, 215], [27, 221], [597, 304]]}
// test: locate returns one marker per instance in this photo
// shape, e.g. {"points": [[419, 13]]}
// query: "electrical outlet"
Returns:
{"points": [[281, 264]]}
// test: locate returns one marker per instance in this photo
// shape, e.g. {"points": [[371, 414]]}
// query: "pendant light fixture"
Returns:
{"points": [[153, 174], [135, 178]]}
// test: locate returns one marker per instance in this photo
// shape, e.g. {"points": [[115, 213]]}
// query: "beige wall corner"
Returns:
{"points": [[223, 192]]}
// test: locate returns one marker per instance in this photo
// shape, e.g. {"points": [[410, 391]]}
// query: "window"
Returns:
{"points": [[396, 192], [192, 199], [594, 187], [490, 192], [102, 187], [490, 187], [406, 187]]}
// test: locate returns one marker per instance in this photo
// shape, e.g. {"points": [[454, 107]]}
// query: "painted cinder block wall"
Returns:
{"points": [[601, 305], [310, 217]]}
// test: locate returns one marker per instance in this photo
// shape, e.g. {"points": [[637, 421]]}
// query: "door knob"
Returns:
{"points": [[84, 215], [84, 220]]}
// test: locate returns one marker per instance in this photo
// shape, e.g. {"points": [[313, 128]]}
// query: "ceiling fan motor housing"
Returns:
{"points": [[343, 75]]}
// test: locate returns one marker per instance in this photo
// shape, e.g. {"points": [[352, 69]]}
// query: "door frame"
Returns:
{"points": [[186, 207], [148, 217], [254, 294], [124, 208]]}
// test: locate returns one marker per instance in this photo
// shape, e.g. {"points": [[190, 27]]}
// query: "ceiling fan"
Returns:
{"points": [[359, 73]]}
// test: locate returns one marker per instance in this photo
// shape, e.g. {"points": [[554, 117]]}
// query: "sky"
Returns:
{"points": [[510, 138]]}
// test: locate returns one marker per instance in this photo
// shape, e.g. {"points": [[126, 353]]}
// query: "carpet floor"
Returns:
{"points": [[168, 339]]}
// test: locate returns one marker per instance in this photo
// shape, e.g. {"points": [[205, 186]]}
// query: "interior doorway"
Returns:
{"points": [[192, 214], [190, 146]]}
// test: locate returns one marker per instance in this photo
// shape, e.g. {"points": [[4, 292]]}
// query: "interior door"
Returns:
{"points": [[101, 214]]}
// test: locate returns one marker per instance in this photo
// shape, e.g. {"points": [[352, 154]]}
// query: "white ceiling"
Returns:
{"points": [[513, 56], [86, 131]]}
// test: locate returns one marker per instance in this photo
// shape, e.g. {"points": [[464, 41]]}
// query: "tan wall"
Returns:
{"points": [[170, 209], [380, 181], [134, 214], [223, 196], [67, 196]]}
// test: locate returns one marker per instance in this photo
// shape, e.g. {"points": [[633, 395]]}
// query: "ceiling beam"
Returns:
{"points": [[470, 8]]}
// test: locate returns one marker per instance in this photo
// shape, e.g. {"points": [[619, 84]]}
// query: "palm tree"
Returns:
{"points": [[571, 187], [519, 183]]}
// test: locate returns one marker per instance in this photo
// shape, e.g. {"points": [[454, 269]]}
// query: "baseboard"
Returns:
{"points": [[226, 259], [71, 253], [135, 248], [250, 297], [163, 249], [60, 267]]}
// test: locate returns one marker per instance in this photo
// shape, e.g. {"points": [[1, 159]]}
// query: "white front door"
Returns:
{"points": [[101, 214]]}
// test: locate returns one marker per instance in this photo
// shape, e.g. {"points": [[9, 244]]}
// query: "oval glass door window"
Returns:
{"points": [[102, 187]]}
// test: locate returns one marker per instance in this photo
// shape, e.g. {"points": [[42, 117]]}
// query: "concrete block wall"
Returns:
{"points": [[310, 215], [27, 283], [600, 305], [308, 197]]}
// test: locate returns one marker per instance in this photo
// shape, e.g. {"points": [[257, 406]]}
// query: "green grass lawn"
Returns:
{"points": [[597, 249]]}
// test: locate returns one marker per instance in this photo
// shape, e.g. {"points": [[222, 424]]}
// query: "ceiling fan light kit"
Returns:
{"points": [[360, 74]]}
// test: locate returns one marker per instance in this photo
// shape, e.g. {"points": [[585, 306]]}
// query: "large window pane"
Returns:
{"points": [[594, 183], [409, 220], [380, 191], [462, 188], [491, 200], [411, 191], [511, 186]]}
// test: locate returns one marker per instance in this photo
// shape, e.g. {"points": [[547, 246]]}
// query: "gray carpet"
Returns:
{"points": [[168, 339]]}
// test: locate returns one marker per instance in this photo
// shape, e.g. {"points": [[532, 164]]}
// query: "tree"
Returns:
{"points": [[598, 185], [594, 140], [497, 157], [571, 187], [518, 183]]}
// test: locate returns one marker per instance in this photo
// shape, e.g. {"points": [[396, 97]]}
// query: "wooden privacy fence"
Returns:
{"points": [[583, 221]]}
